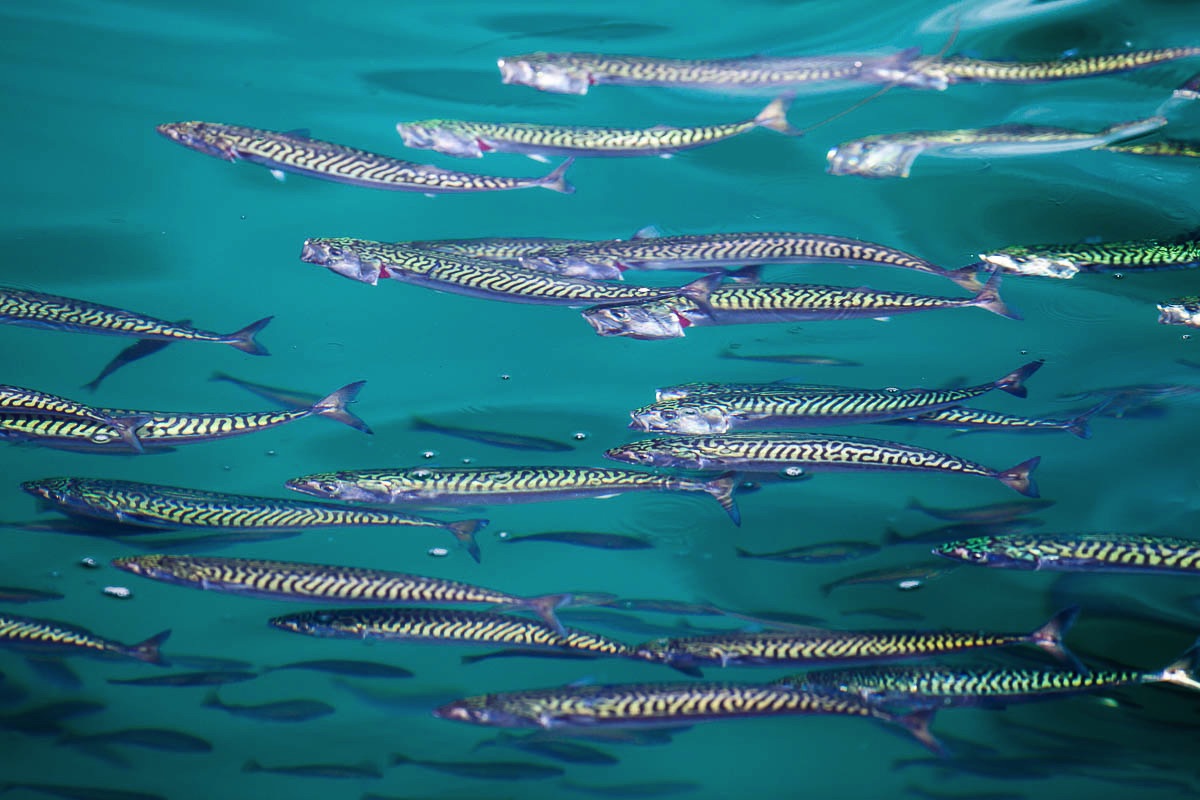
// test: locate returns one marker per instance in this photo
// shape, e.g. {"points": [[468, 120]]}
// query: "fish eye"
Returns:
{"points": [[328, 487], [620, 314], [669, 415], [335, 252]]}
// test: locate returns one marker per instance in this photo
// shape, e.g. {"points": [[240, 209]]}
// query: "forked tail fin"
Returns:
{"points": [[722, 490], [1019, 478], [1183, 670], [334, 405], [244, 339], [148, 650], [1014, 382], [774, 116], [556, 181], [464, 531], [1049, 637], [989, 298]]}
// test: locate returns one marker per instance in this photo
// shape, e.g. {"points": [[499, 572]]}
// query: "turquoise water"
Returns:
{"points": [[99, 207]]}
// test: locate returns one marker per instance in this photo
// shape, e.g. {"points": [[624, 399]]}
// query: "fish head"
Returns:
{"points": [[200, 136], [873, 158], [561, 261], [546, 72], [1180, 311], [349, 487], [1026, 261], [175, 569], [649, 453], [679, 416], [72, 496], [319, 623], [444, 136], [479, 710], [991, 551], [343, 256], [657, 319]]}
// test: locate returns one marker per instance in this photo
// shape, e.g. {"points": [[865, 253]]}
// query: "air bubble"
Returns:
{"points": [[438, 552], [119, 592], [272, 453], [502, 534], [579, 436], [1118, 275], [87, 562], [468, 460], [429, 454], [504, 376]]}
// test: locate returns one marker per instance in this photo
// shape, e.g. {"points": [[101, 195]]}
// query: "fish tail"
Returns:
{"points": [[1183, 670], [464, 530], [1018, 478], [252, 766], [334, 405], [1130, 130], [148, 650], [128, 428], [743, 553], [1014, 382], [892, 537], [967, 277], [545, 606], [244, 339], [722, 489], [989, 298], [212, 700], [1049, 637], [917, 724], [699, 290], [1081, 425], [398, 759], [556, 181], [774, 116], [914, 504]]}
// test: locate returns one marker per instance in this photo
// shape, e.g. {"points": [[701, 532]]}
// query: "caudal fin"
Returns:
{"points": [[1019, 479], [1014, 382], [1131, 130], [1183, 670], [148, 650], [252, 766], [1081, 425], [212, 700], [967, 277], [774, 116], [989, 298], [1049, 637], [917, 724], [128, 428], [545, 606], [244, 339], [556, 181], [722, 489], [464, 531], [334, 405]]}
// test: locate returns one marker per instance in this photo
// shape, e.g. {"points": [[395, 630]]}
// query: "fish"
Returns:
{"points": [[149, 539], [681, 391], [511, 441], [168, 741], [963, 69], [1135, 399], [277, 711], [38, 310], [135, 352], [1078, 552], [505, 249], [20, 401], [576, 73], [905, 578], [296, 152], [892, 155], [503, 485], [966, 420], [347, 668], [745, 304], [187, 679], [303, 581], [1163, 148], [634, 705], [642, 789], [465, 139], [172, 507], [280, 397], [822, 553], [1180, 311], [516, 652], [601, 541], [930, 794], [366, 261], [349, 771], [811, 452], [484, 770], [817, 645], [47, 719], [802, 360], [19, 594], [990, 513], [167, 429], [665, 607], [442, 626], [79, 792], [47, 637], [558, 750], [1067, 261], [721, 413], [715, 251], [959, 530]]}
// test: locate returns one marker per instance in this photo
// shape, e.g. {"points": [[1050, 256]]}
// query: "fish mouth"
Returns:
{"points": [[639, 424], [306, 486], [630, 456], [519, 72], [456, 712], [602, 323]]}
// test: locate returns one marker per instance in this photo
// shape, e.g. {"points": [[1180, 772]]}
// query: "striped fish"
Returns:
{"points": [[52, 638], [171, 507], [794, 456], [703, 388], [296, 152], [658, 704], [721, 413], [295, 580], [167, 429], [575, 73], [473, 139], [1066, 261], [709, 251], [505, 249], [976, 419], [705, 304], [1163, 148], [774, 648], [447, 627], [960, 69], [1180, 311], [37, 310], [18, 400], [891, 155], [503, 485], [368, 261], [1079, 552]]}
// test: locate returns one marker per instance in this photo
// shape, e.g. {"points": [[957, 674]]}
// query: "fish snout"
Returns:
{"points": [[457, 712], [515, 71]]}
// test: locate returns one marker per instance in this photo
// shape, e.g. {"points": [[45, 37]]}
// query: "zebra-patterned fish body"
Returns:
{"points": [[960, 69], [977, 419], [780, 407], [38, 310], [1180, 311], [48, 637], [1168, 148], [1081, 552], [296, 152], [21, 401], [812, 452], [368, 261], [505, 249], [1065, 261], [703, 388], [771, 648], [485, 485]]}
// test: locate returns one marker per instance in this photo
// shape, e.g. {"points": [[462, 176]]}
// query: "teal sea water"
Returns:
{"points": [[99, 207]]}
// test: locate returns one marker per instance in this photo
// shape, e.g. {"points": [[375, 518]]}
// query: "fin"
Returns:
{"points": [[334, 405], [692, 671], [648, 232], [1131, 130], [917, 723], [556, 181], [399, 758], [545, 606], [1081, 425], [774, 116], [722, 490], [699, 290], [244, 339], [1014, 382], [1018, 478], [464, 530], [252, 766], [892, 537], [279, 175], [743, 553], [211, 700], [1182, 671], [968, 277], [299, 133], [148, 650], [989, 298], [128, 427], [1049, 638], [751, 273], [538, 157]]}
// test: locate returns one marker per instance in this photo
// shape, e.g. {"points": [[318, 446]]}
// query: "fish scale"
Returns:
{"points": [[960, 69], [1078, 552], [49, 636], [976, 418], [1165, 147], [1064, 261]]}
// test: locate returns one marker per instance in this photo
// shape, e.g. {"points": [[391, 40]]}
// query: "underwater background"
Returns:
{"points": [[99, 207]]}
